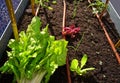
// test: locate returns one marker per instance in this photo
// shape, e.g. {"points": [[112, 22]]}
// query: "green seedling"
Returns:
{"points": [[54, 2], [76, 3], [75, 67], [43, 3], [78, 44], [98, 5]]}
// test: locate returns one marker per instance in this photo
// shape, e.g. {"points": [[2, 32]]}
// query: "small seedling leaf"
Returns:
{"points": [[74, 65], [83, 60], [84, 71]]}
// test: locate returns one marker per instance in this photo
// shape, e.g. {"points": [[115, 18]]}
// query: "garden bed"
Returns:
{"points": [[92, 41]]}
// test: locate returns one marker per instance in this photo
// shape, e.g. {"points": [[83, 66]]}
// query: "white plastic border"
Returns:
{"points": [[8, 30], [114, 16]]}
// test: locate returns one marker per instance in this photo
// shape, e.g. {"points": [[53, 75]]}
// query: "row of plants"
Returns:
{"points": [[35, 54]]}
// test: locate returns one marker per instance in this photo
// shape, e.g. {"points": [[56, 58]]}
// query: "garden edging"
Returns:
{"points": [[8, 30], [114, 16]]}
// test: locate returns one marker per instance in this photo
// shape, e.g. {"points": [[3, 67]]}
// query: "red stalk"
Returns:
{"points": [[63, 25], [64, 14]]}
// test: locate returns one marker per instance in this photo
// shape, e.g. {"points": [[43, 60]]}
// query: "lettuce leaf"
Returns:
{"points": [[36, 56]]}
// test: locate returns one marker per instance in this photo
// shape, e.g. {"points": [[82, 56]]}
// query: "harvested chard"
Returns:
{"points": [[36, 56]]}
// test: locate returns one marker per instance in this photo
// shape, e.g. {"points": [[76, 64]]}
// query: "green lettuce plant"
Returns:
{"points": [[78, 68], [36, 56]]}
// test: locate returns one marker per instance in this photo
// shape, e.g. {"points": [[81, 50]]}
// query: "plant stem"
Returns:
{"points": [[63, 25], [75, 8], [64, 14], [76, 3], [76, 48], [106, 4], [108, 37], [12, 17], [79, 42], [37, 10]]}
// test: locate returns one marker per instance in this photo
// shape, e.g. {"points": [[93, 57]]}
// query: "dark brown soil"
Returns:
{"points": [[94, 42]]}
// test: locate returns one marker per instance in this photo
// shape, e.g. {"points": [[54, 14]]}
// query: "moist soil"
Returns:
{"points": [[91, 40]]}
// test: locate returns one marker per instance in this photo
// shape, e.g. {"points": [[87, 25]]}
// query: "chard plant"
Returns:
{"points": [[36, 56], [78, 68], [70, 31]]}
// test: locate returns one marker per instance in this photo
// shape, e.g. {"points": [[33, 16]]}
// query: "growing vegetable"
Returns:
{"points": [[70, 31], [105, 9], [78, 44], [79, 68], [42, 3], [98, 5], [36, 56], [76, 3]]}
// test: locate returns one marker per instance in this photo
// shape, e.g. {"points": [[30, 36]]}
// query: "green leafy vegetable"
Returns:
{"points": [[79, 69], [36, 56], [98, 6]]}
